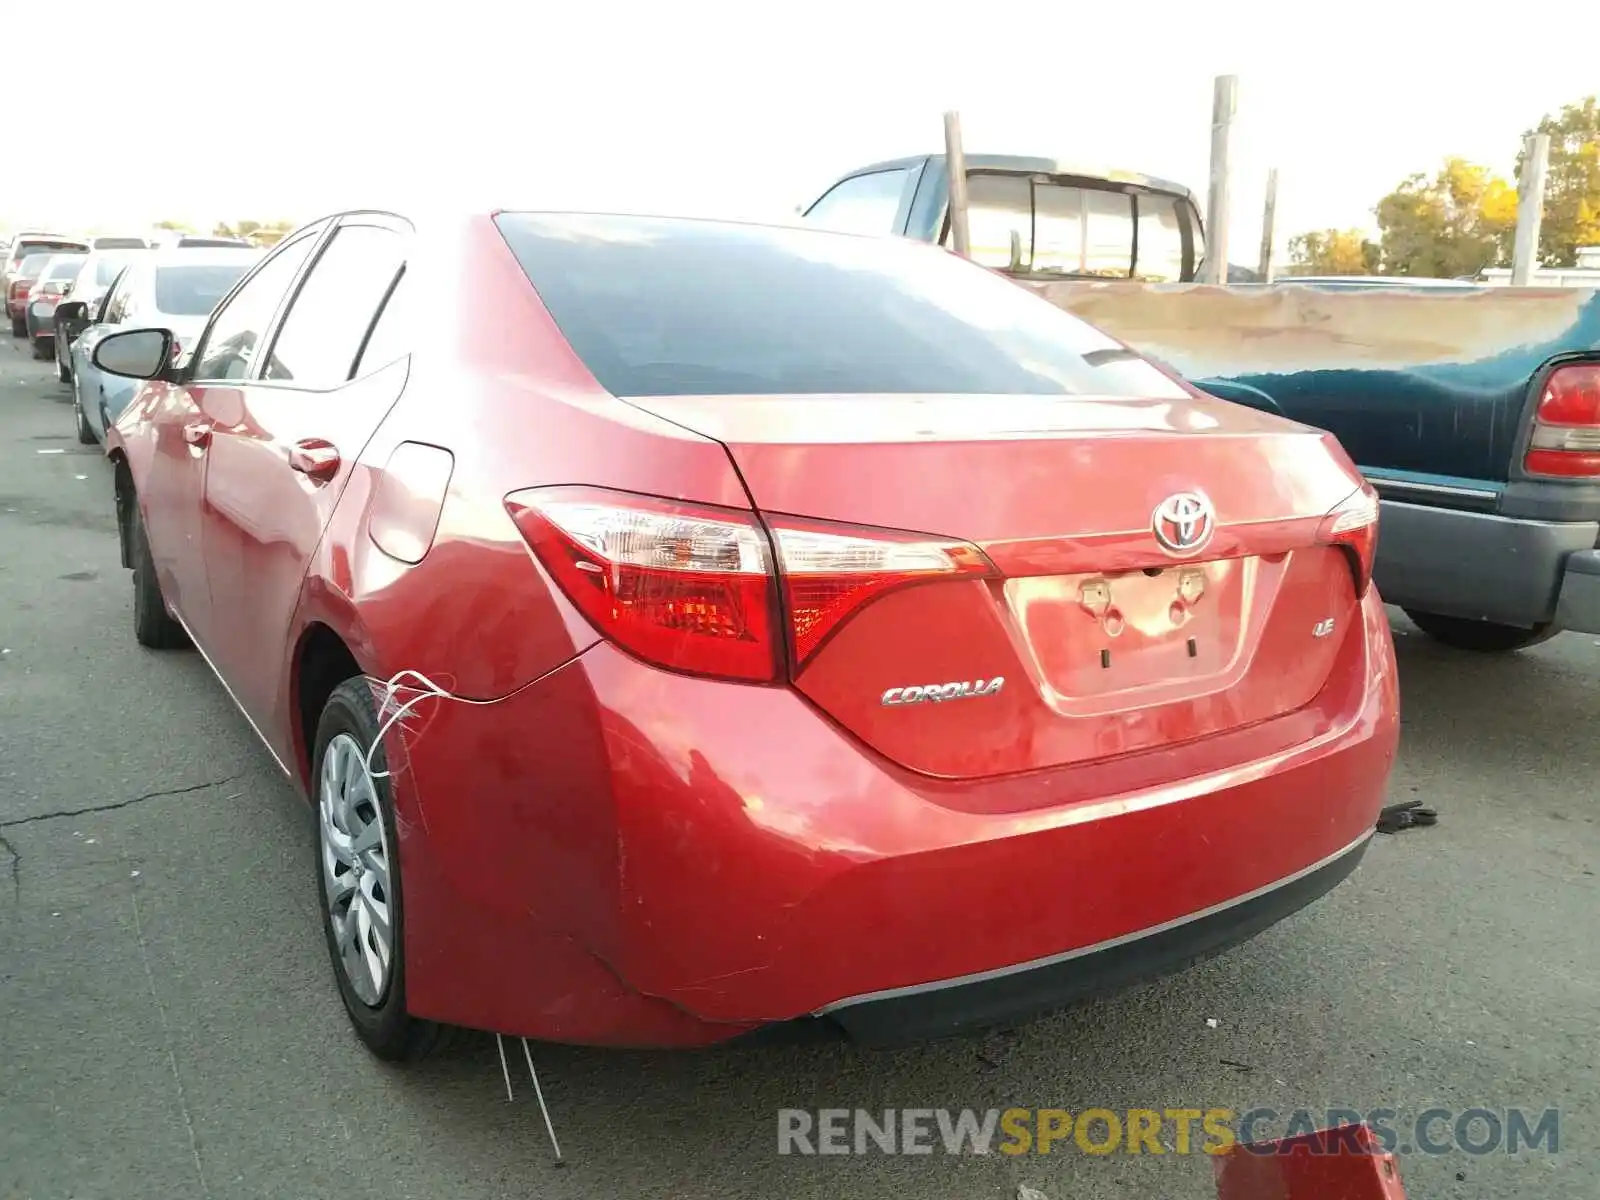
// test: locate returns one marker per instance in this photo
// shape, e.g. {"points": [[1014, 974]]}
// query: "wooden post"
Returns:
{"points": [[1268, 215], [1530, 207], [1224, 104], [955, 161]]}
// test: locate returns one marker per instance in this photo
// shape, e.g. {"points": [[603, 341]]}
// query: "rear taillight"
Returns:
{"points": [[829, 572], [1353, 527], [699, 589], [1565, 441], [21, 288], [688, 588]]}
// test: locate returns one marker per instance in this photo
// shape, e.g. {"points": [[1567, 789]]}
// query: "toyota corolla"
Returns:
{"points": [[713, 630]]}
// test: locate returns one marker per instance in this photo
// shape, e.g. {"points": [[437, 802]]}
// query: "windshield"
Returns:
{"points": [[661, 307], [193, 291]]}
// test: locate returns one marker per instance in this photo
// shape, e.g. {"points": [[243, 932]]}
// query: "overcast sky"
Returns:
{"points": [[234, 110]]}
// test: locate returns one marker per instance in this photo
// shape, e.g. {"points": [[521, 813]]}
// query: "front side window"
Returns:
{"points": [[329, 319], [233, 338], [684, 308], [863, 204], [119, 309]]}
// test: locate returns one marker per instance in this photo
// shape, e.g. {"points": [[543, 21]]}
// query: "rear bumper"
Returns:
{"points": [[623, 856], [932, 1010], [1486, 567]]}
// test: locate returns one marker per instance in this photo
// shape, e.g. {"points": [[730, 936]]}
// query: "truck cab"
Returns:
{"points": [[1034, 218]]}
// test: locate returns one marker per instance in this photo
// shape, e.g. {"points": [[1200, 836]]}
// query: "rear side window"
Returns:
{"points": [[663, 307], [329, 319], [193, 291], [863, 203], [1060, 229]]}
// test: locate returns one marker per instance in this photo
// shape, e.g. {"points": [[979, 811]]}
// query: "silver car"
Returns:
{"points": [[171, 289]]}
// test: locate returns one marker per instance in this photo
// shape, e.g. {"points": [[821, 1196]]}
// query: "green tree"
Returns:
{"points": [[1572, 187], [1456, 223], [264, 233], [1332, 252], [175, 226]]}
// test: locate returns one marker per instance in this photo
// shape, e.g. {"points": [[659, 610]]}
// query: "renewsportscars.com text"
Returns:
{"points": [[1176, 1131]]}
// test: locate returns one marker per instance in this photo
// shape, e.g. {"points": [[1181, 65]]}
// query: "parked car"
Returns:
{"points": [[834, 635], [95, 277], [21, 282], [1474, 412], [177, 291], [55, 277], [22, 246], [117, 242]]}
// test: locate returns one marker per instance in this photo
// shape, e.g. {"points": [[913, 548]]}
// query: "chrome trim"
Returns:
{"points": [[1084, 951], [1432, 489], [282, 766]]}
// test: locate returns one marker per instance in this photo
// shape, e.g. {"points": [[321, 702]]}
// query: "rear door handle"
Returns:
{"points": [[314, 457], [196, 433]]}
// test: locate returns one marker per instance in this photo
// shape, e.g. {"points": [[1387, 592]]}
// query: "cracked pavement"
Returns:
{"points": [[168, 1027]]}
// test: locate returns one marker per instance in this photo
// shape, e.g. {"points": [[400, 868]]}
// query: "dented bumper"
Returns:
{"points": [[620, 855]]}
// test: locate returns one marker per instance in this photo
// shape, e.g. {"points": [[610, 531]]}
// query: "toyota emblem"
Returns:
{"points": [[1184, 523]]}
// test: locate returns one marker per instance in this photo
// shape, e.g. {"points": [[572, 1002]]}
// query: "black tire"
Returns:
{"points": [[63, 365], [1480, 637], [386, 1028], [19, 327], [85, 430], [153, 625], [39, 352]]}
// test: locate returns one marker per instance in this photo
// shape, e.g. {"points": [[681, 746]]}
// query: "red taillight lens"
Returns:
{"points": [[21, 287], [1565, 441], [688, 588], [695, 588], [1353, 527], [829, 572]]}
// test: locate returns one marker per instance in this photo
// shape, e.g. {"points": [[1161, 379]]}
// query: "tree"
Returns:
{"points": [[267, 234], [1457, 223], [175, 226], [1332, 252], [1572, 187]]}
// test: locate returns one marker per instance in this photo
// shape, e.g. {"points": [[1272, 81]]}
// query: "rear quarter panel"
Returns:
{"points": [[1412, 380]]}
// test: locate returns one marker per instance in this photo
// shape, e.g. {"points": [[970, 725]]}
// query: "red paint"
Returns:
{"points": [[630, 847]]}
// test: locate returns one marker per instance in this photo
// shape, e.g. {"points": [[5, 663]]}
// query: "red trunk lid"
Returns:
{"points": [[1106, 643]]}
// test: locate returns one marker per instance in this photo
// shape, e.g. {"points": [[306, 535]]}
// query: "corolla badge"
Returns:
{"points": [[937, 693], [1183, 523]]}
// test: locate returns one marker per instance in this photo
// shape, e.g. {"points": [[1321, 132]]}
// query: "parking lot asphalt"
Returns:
{"points": [[169, 1027]]}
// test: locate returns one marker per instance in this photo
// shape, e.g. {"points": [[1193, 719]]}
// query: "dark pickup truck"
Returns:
{"points": [[1474, 411]]}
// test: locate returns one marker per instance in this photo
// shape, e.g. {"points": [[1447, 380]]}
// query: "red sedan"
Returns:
{"points": [[805, 632]]}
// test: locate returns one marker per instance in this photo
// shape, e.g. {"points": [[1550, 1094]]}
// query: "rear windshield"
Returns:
{"points": [[119, 243], [194, 291], [107, 269], [64, 268], [30, 266], [190, 243], [663, 307]]}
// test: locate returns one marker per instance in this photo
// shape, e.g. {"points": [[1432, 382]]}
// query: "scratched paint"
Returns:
{"points": [[1416, 380]]}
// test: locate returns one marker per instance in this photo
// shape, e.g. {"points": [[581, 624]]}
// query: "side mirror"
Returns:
{"points": [[135, 353], [73, 312]]}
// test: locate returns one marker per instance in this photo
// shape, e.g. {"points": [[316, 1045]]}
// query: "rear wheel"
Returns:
{"points": [[358, 879], [19, 327], [63, 362], [153, 625], [85, 432], [40, 350], [1480, 637]]}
